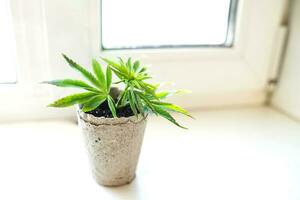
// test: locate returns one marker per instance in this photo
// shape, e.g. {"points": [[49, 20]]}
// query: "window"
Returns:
{"points": [[7, 47], [168, 23], [216, 76]]}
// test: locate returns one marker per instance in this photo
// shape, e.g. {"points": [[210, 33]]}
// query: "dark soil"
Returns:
{"points": [[104, 111]]}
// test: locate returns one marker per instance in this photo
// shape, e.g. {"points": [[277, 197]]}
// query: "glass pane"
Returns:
{"points": [[7, 47], [156, 23]]}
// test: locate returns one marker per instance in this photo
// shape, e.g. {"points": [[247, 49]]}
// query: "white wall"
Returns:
{"points": [[287, 95]]}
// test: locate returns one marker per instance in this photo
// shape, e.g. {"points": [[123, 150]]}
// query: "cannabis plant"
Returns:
{"points": [[141, 96]]}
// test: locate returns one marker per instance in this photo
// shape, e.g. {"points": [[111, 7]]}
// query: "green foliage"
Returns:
{"points": [[86, 74], [99, 90], [142, 97]]}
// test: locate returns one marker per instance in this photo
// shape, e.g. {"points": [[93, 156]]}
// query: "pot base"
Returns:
{"points": [[116, 182]]}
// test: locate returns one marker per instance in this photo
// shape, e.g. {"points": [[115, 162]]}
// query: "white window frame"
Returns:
{"points": [[216, 76], [245, 65], [25, 99], [229, 41]]}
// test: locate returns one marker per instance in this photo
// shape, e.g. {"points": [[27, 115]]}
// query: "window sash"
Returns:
{"points": [[228, 43]]}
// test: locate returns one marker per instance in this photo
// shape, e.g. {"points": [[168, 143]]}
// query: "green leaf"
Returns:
{"points": [[123, 68], [136, 65], [165, 94], [120, 73], [118, 82], [93, 103], [137, 85], [121, 61], [99, 74], [89, 76], [72, 83], [120, 68], [111, 106], [110, 62], [152, 87], [139, 104], [167, 115], [121, 95], [143, 69], [124, 98], [148, 88], [173, 107], [132, 102], [142, 78], [70, 100], [129, 65], [129, 62], [147, 102], [117, 73], [108, 78]]}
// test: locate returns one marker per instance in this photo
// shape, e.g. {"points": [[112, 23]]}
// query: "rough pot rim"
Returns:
{"points": [[109, 121]]}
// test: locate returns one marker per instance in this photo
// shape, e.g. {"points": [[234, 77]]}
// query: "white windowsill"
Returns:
{"points": [[249, 153]]}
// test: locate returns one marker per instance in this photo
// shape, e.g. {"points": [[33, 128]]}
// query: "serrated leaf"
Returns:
{"points": [[93, 103], [72, 83], [111, 106], [70, 100], [108, 78], [88, 75], [167, 116], [99, 74]]}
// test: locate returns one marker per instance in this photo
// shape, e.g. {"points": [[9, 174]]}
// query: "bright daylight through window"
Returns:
{"points": [[7, 47], [168, 23]]}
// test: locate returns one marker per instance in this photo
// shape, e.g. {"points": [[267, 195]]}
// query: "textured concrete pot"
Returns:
{"points": [[113, 146]]}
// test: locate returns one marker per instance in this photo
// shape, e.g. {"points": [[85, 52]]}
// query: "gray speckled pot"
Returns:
{"points": [[113, 146]]}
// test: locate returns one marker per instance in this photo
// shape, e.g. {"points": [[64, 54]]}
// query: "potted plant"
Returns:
{"points": [[113, 120]]}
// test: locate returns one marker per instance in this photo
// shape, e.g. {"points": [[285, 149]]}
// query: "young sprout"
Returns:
{"points": [[142, 97]]}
